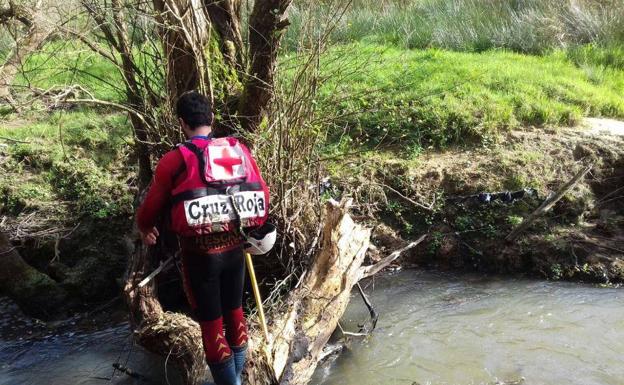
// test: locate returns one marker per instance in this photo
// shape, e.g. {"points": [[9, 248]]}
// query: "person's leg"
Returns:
{"points": [[202, 285], [232, 284]]}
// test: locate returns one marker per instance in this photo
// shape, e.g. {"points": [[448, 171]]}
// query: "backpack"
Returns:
{"points": [[220, 174]]}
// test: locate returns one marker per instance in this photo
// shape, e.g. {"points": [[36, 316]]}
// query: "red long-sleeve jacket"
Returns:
{"points": [[169, 167]]}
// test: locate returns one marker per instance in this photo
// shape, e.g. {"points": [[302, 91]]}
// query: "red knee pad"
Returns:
{"points": [[216, 346], [235, 327]]}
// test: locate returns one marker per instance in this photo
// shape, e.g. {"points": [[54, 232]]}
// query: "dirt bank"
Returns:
{"points": [[581, 238]]}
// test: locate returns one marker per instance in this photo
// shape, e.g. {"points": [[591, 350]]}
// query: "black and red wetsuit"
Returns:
{"points": [[213, 265]]}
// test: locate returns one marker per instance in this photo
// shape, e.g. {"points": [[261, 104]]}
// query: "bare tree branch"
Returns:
{"points": [[549, 203], [368, 271], [39, 29]]}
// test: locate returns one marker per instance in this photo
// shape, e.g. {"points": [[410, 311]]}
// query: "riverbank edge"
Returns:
{"points": [[442, 194], [435, 193]]}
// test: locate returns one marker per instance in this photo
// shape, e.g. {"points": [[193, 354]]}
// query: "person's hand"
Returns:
{"points": [[149, 237]]}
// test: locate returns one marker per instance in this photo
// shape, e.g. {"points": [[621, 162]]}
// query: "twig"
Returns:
{"points": [[410, 200], [109, 104], [373, 314], [129, 371], [350, 334], [8, 250], [13, 140], [160, 268], [548, 203], [367, 271]]}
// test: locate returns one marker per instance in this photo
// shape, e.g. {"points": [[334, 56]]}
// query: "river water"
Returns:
{"points": [[433, 329], [448, 329], [72, 353]]}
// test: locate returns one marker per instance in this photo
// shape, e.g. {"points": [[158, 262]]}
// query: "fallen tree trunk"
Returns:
{"points": [[298, 330], [301, 328], [172, 335]]}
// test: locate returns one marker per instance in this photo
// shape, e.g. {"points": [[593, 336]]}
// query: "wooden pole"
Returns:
{"points": [[256, 291]]}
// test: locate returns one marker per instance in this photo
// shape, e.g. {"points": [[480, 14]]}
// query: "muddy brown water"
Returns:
{"points": [[433, 329]]}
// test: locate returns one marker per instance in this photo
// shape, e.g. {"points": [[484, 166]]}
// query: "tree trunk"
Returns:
{"points": [[170, 335], [35, 293], [184, 33], [299, 329], [225, 15], [266, 25]]}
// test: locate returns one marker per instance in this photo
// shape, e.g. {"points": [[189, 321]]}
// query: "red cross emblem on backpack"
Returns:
{"points": [[226, 161]]}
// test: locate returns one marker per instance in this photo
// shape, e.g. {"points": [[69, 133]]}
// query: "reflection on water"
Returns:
{"points": [[446, 329], [32, 354]]}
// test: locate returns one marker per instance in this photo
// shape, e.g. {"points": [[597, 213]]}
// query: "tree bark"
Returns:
{"points": [[225, 15], [170, 335], [299, 330], [35, 293], [121, 41], [184, 33], [266, 26]]}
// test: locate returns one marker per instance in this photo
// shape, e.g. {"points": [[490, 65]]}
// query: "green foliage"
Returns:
{"points": [[435, 242], [418, 99], [78, 157], [464, 222], [556, 271], [25, 196], [62, 63], [529, 26], [92, 190], [611, 56], [514, 220]]}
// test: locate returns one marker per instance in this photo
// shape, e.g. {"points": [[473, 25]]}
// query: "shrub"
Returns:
{"points": [[93, 192]]}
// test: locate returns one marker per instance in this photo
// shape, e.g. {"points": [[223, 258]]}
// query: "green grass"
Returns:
{"points": [[80, 157], [63, 63], [410, 99], [406, 100], [529, 26], [595, 55]]}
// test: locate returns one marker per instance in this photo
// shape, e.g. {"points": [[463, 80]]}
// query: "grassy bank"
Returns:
{"points": [[408, 100], [428, 99], [382, 97], [76, 161]]}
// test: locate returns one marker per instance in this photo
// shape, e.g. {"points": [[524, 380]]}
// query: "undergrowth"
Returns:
{"points": [[78, 157]]}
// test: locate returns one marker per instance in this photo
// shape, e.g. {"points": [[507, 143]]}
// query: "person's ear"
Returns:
{"points": [[182, 124], [212, 118]]}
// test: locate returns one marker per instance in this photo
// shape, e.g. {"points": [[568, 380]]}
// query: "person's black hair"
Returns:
{"points": [[195, 109]]}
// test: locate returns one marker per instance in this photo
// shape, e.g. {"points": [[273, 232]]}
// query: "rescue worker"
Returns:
{"points": [[196, 180]]}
